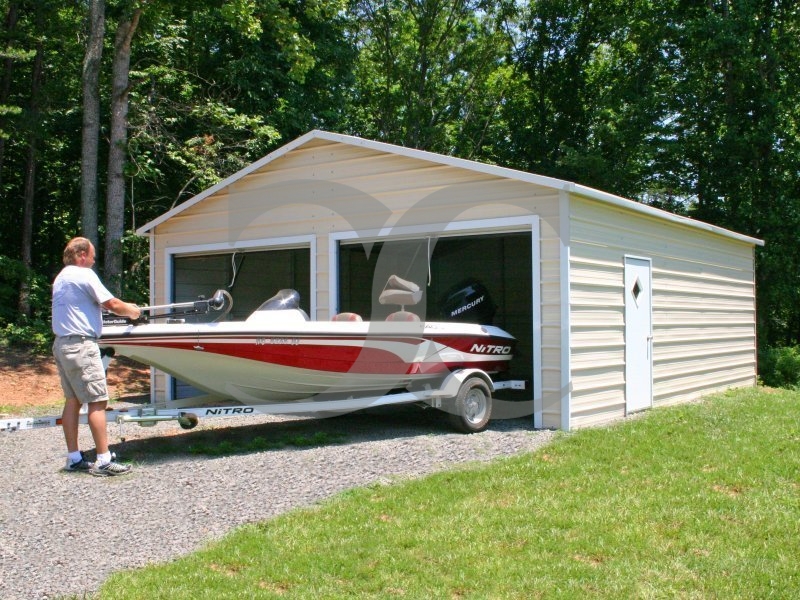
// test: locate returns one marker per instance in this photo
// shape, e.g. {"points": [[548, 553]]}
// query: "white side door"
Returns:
{"points": [[638, 334]]}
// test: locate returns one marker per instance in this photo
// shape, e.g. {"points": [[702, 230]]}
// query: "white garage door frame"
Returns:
{"points": [[279, 243], [524, 224]]}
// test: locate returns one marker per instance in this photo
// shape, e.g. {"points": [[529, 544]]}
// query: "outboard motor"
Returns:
{"points": [[468, 302]]}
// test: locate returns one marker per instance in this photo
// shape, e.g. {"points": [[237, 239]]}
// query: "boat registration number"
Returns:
{"points": [[286, 341]]}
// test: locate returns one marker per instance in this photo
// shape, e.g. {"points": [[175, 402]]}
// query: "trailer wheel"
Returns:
{"points": [[188, 420], [472, 407]]}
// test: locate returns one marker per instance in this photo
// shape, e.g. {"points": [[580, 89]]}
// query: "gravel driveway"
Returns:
{"points": [[65, 533]]}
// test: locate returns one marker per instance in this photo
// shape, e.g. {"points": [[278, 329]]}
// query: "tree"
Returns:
{"points": [[118, 150], [8, 54], [735, 104], [33, 116], [91, 119], [429, 73], [218, 89], [588, 103], [684, 105]]}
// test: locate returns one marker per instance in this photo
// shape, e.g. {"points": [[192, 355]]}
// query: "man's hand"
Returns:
{"points": [[123, 309]]}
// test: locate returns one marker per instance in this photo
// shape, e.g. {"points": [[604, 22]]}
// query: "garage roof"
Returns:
{"points": [[547, 182]]}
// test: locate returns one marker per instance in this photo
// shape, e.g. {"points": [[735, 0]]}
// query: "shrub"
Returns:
{"points": [[780, 366], [32, 331], [12, 274], [33, 334]]}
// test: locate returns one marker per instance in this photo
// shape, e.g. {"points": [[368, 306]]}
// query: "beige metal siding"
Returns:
{"points": [[324, 187], [703, 309]]}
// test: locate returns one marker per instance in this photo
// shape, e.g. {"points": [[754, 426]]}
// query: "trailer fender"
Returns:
{"points": [[453, 382]]}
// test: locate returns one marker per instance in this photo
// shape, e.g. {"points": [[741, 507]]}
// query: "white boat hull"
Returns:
{"points": [[283, 358]]}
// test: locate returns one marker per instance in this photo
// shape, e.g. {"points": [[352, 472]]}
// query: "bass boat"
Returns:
{"points": [[278, 355]]}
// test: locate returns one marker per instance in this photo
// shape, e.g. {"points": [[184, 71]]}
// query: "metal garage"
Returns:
{"points": [[617, 306]]}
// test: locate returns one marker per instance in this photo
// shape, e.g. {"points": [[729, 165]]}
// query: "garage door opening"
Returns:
{"points": [[251, 277], [502, 263]]}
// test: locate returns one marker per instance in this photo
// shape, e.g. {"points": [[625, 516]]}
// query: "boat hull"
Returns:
{"points": [[297, 361]]}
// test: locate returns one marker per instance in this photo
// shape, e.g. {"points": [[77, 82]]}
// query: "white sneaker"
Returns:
{"points": [[110, 469]]}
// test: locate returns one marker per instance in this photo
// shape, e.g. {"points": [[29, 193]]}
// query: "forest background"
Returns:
{"points": [[114, 111]]}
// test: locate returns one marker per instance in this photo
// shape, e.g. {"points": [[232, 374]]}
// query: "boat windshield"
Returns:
{"points": [[283, 300]]}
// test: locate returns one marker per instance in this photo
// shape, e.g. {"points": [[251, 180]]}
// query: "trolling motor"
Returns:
{"points": [[220, 300]]}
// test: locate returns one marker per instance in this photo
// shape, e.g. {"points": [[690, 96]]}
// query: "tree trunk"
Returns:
{"points": [[24, 304], [91, 119], [8, 69], [115, 199]]}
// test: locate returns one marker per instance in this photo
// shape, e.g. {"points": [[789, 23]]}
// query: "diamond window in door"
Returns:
{"points": [[636, 291]]}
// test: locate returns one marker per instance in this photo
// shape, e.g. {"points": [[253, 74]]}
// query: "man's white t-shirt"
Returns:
{"points": [[77, 296]]}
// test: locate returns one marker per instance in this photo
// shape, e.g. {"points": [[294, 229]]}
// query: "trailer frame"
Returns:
{"points": [[443, 397]]}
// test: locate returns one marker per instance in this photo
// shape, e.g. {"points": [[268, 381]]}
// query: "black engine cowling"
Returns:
{"points": [[468, 302]]}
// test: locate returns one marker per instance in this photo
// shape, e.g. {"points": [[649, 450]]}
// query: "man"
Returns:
{"points": [[78, 300]]}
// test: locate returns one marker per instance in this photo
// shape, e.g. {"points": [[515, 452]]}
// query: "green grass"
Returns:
{"points": [[697, 501]]}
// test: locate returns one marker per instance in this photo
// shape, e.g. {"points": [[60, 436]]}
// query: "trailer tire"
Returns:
{"points": [[188, 421], [471, 409]]}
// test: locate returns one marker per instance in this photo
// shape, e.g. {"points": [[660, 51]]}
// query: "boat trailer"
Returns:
{"points": [[465, 395]]}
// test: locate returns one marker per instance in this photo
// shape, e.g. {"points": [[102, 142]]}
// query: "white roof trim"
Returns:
{"points": [[549, 182]]}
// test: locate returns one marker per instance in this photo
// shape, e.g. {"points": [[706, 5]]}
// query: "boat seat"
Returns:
{"points": [[400, 292], [402, 315], [347, 316]]}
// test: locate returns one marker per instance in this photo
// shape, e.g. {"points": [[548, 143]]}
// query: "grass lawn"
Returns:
{"points": [[695, 501]]}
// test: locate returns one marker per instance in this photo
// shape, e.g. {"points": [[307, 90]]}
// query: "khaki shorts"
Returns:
{"points": [[81, 369]]}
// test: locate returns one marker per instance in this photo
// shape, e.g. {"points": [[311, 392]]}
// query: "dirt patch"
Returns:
{"points": [[29, 380]]}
